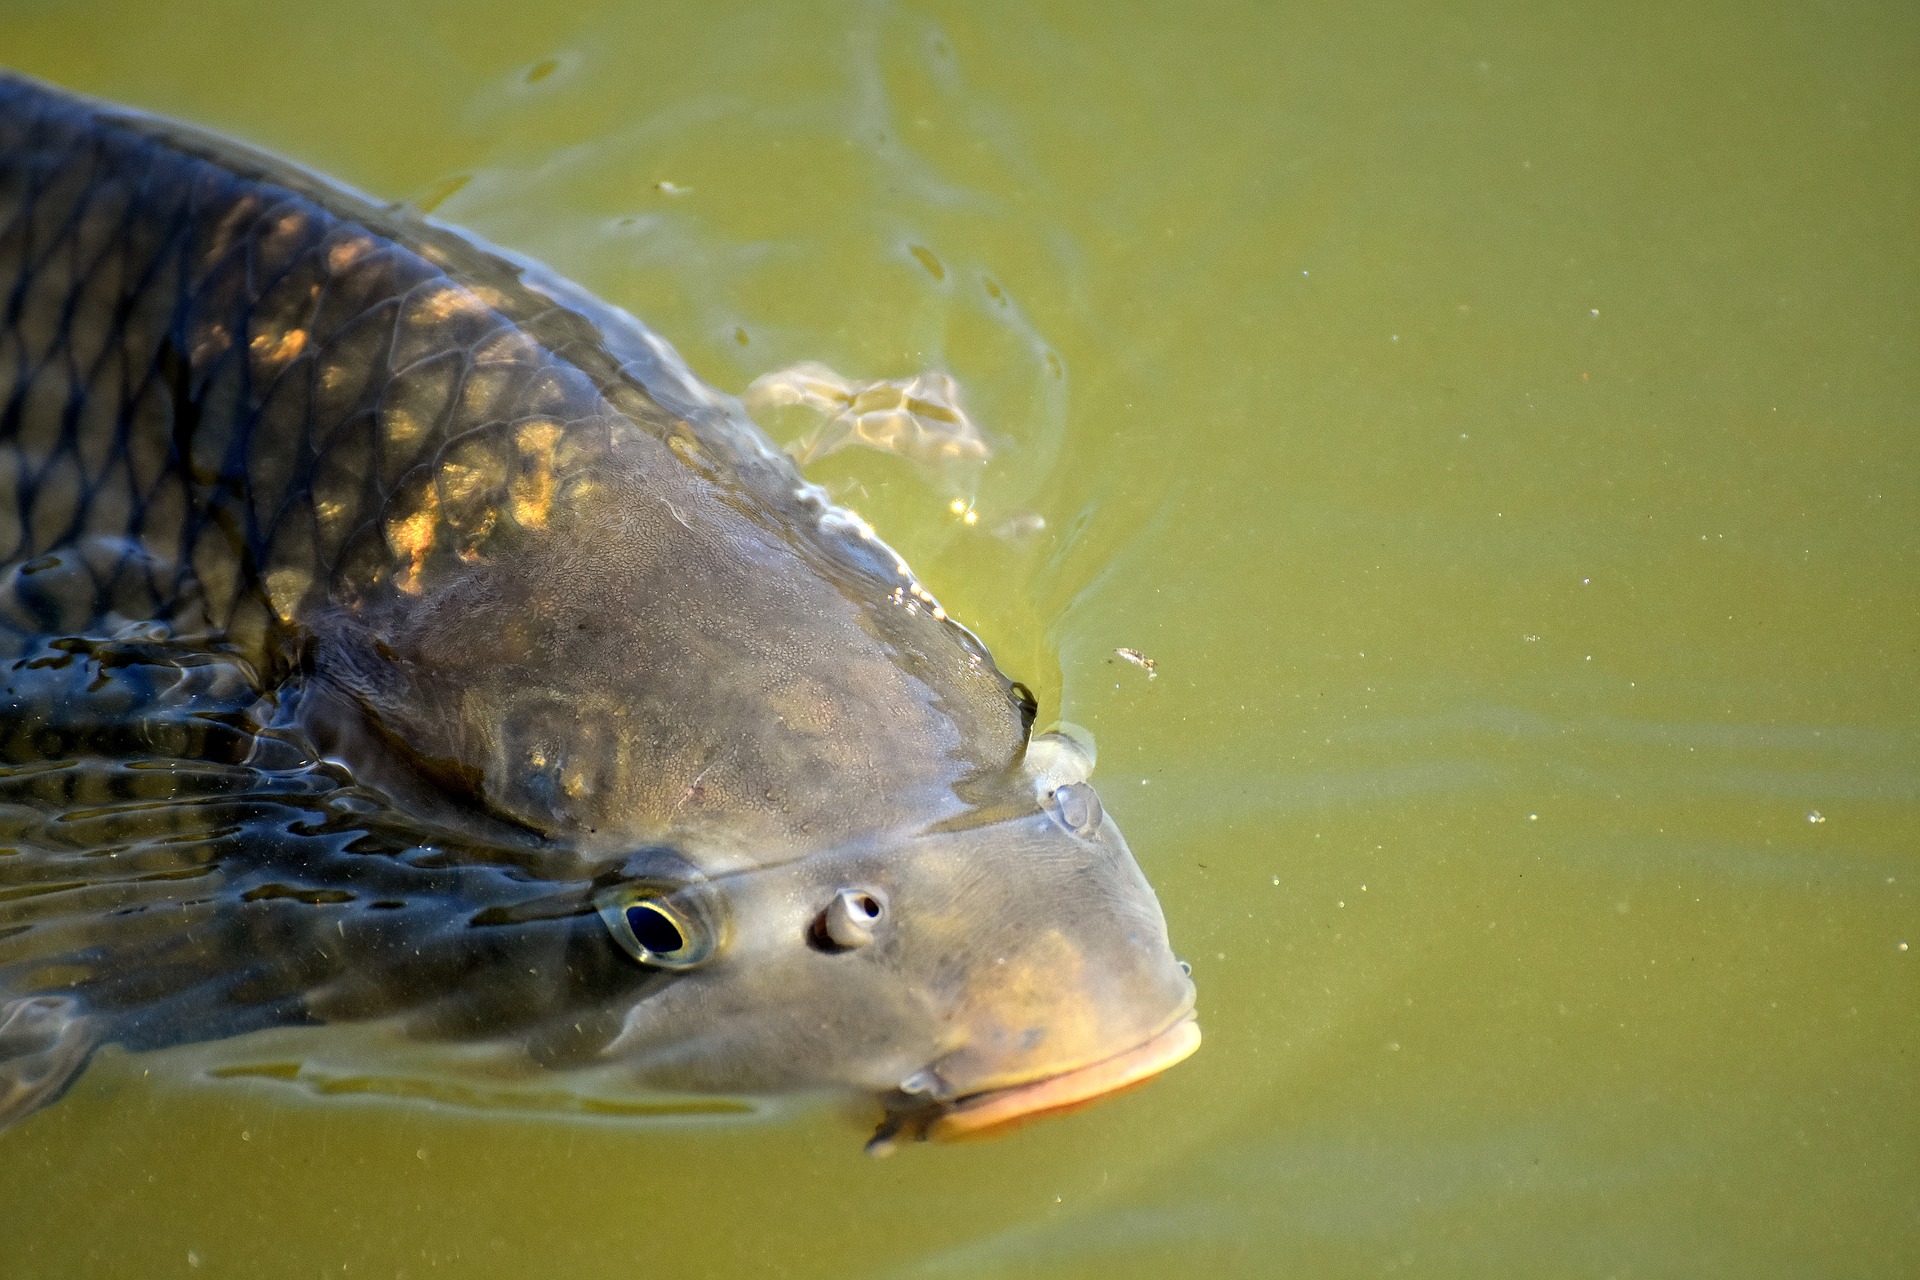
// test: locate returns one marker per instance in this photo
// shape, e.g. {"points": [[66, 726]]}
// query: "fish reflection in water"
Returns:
{"points": [[393, 634]]}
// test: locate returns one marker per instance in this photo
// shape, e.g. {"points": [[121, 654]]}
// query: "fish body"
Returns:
{"points": [[395, 631]]}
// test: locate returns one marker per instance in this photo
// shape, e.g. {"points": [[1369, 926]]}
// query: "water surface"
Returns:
{"points": [[1501, 431]]}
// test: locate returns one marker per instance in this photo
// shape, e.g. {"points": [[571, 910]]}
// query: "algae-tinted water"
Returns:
{"points": [[1499, 428]]}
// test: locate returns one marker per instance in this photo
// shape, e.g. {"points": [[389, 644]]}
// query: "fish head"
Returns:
{"points": [[974, 974], [806, 798]]}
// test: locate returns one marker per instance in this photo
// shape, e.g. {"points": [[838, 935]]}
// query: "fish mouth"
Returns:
{"points": [[997, 1111]]}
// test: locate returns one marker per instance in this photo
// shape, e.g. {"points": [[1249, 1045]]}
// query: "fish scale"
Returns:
{"points": [[390, 630], [225, 389], [221, 395], [225, 393], [162, 868]]}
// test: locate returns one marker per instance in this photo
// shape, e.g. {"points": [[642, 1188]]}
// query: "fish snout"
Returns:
{"points": [[996, 1111], [928, 1107], [1058, 1013], [1052, 1019]]}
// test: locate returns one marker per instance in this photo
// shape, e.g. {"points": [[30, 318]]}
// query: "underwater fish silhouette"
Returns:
{"points": [[389, 630]]}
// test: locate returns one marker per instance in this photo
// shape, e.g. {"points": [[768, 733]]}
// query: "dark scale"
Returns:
{"points": [[389, 630], [195, 364]]}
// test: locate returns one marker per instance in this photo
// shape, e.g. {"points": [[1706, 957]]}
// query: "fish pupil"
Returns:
{"points": [[654, 930]]}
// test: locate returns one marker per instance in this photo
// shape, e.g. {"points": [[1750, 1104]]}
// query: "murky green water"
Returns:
{"points": [[1502, 431]]}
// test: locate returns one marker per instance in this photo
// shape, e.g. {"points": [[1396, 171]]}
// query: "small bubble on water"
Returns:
{"points": [[1276, 882]]}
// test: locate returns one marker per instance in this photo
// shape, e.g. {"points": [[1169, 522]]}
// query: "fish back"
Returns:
{"points": [[229, 391]]}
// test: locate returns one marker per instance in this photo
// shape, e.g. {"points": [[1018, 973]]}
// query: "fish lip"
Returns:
{"points": [[995, 1111]]}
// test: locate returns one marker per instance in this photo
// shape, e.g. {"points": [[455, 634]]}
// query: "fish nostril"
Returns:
{"points": [[1079, 806], [849, 920]]}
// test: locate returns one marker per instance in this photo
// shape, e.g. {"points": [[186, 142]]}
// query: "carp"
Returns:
{"points": [[391, 630]]}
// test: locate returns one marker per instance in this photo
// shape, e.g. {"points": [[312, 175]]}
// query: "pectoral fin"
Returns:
{"points": [[45, 1042]]}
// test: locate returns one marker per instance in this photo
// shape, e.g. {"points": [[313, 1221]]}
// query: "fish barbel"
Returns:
{"points": [[389, 630]]}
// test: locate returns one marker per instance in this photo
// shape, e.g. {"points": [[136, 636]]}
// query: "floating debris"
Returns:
{"points": [[1020, 527], [1138, 659], [918, 418]]}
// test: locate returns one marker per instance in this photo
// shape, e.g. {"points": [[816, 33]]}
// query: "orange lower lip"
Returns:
{"points": [[994, 1112]]}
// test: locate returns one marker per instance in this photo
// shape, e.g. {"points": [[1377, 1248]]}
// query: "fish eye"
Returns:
{"points": [[1079, 808], [655, 930], [850, 918]]}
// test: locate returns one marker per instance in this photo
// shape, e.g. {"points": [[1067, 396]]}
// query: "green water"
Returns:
{"points": [[1502, 429]]}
